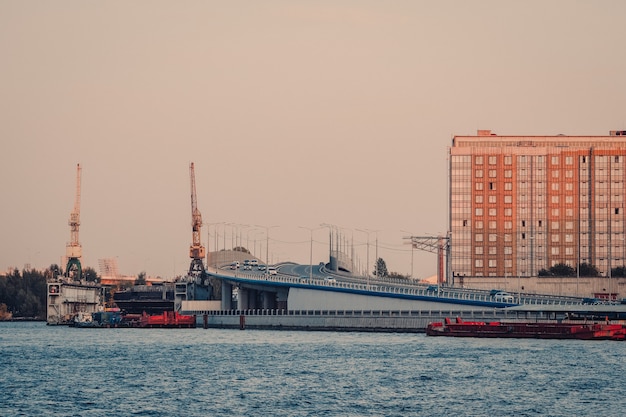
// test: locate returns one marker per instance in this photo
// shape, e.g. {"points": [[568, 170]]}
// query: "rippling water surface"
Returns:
{"points": [[62, 371]]}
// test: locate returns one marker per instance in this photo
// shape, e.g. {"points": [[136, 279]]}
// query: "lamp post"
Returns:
{"points": [[267, 244], [411, 238], [311, 229], [367, 270]]}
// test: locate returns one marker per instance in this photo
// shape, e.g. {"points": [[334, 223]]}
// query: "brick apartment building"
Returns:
{"points": [[520, 204]]}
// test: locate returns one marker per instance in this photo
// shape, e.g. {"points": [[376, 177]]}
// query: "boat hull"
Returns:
{"points": [[538, 330]]}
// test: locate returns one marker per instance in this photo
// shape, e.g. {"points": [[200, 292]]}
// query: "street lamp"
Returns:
{"points": [[311, 229], [411, 237], [367, 270], [267, 244]]}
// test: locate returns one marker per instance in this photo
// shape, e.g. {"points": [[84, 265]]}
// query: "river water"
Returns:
{"points": [[63, 371]]}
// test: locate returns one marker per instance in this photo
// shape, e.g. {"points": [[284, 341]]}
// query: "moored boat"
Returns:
{"points": [[167, 319], [536, 330]]}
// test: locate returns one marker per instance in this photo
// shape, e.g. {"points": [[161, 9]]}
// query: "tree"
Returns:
{"points": [[241, 249], [380, 268], [141, 278], [619, 271], [543, 272], [588, 270], [562, 270], [398, 275], [90, 275]]}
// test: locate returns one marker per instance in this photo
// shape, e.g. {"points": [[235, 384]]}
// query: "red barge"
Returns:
{"points": [[167, 319], [537, 330]]}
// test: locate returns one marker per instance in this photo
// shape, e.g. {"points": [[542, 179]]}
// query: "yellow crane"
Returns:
{"points": [[197, 252], [73, 250]]}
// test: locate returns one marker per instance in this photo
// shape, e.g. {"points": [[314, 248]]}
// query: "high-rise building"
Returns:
{"points": [[520, 204]]}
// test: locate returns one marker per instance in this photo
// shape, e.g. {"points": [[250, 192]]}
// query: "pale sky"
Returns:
{"points": [[295, 113]]}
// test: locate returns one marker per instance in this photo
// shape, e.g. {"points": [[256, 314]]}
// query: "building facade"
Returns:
{"points": [[521, 204]]}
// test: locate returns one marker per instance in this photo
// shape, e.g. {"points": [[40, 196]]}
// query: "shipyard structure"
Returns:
{"points": [[520, 205]]}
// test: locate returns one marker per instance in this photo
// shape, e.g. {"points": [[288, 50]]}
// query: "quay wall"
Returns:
{"points": [[324, 320]]}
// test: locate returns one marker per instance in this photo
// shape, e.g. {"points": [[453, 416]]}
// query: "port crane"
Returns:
{"points": [[73, 250], [197, 252]]}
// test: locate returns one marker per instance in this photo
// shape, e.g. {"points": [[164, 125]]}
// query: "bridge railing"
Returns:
{"points": [[441, 292]]}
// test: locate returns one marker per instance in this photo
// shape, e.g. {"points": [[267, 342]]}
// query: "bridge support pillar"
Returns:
{"points": [[227, 296], [268, 300], [244, 299]]}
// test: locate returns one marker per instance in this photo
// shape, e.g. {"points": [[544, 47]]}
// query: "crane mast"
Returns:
{"points": [[196, 250], [73, 250]]}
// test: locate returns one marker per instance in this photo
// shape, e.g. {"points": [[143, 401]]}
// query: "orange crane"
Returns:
{"points": [[73, 250], [197, 252]]}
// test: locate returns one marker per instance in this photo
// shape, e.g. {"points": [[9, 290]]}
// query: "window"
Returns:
{"points": [[555, 250], [492, 263], [555, 186], [492, 212], [478, 250], [492, 199], [478, 263], [492, 224], [493, 237], [492, 173], [479, 211], [479, 224], [555, 160], [479, 186], [555, 173], [555, 199], [569, 160], [508, 173], [554, 225], [479, 160], [508, 199], [479, 199], [492, 160], [555, 238], [507, 160], [492, 185], [508, 225], [478, 237], [493, 250], [464, 223], [479, 173], [508, 186], [569, 199], [508, 212]]}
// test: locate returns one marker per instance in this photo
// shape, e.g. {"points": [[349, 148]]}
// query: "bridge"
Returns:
{"points": [[317, 297]]}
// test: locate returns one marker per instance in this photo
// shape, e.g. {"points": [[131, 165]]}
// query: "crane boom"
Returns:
{"points": [[196, 250], [73, 250]]}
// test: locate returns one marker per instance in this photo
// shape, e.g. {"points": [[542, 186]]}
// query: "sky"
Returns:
{"points": [[296, 114]]}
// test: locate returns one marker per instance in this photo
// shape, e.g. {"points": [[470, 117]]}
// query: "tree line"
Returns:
{"points": [[23, 293]]}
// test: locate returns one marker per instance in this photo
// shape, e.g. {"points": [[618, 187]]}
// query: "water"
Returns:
{"points": [[61, 371]]}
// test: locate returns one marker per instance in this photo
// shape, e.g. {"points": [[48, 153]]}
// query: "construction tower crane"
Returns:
{"points": [[73, 250], [196, 250]]}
